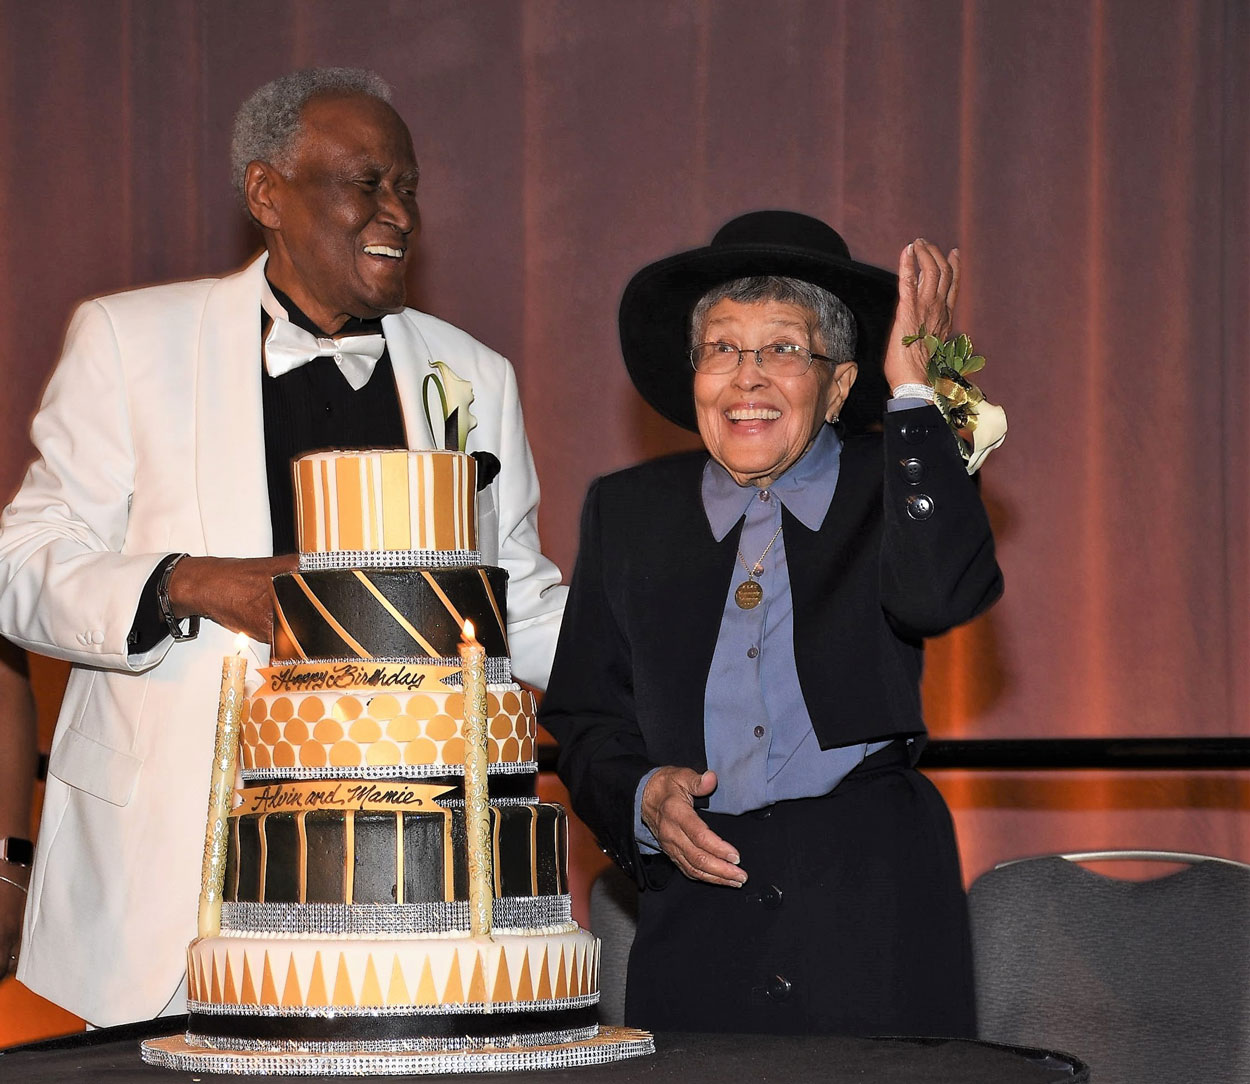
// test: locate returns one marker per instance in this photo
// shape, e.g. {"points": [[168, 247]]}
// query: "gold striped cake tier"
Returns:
{"points": [[378, 501], [388, 613], [331, 856], [303, 734]]}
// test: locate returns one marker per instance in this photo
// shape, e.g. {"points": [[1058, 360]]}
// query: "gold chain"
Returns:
{"points": [[759, 564]]}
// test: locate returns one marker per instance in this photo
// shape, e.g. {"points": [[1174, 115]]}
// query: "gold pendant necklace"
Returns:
{"points": [[749, 593]]}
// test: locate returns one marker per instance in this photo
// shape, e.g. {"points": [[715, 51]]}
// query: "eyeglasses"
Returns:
{"points": [[775, 359]]}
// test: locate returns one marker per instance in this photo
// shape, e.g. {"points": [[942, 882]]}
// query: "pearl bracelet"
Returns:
{"points": [[914, 391]]}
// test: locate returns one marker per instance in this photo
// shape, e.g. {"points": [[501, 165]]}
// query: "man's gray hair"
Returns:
{"points": [[834, 332], [267, 123]]}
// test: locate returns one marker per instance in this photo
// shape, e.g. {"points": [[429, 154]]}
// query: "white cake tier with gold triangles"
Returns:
{"points": [[422, 985]]}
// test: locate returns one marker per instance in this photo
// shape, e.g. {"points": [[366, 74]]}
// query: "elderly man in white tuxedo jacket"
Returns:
{"points": [[152, 444]]}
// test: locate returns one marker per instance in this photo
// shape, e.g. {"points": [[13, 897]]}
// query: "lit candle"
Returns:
{"points": [[476, 794], [221, 791]]}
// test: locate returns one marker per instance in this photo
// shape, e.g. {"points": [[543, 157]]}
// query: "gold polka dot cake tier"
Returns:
{"points": [[347, 856], [388, 613], [303, 732], [377, 501]]}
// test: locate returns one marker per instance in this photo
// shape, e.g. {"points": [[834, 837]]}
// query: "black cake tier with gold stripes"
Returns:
{"points": [[328, 856], [388, 613]]}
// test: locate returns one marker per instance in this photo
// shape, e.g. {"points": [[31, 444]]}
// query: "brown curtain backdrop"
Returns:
{"points": [[1089, 157]]}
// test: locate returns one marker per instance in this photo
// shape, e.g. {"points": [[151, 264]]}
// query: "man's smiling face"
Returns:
{"points": [[342, 211]]}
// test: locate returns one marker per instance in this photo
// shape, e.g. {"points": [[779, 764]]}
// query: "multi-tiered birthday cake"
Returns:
{"points": [[345, 941]]}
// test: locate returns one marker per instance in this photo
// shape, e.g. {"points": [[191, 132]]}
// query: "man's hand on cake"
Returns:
{"points": [[668, 810], [232, 591]]}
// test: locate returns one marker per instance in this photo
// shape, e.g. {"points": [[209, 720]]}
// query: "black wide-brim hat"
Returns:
{"points": [[658, 302]]}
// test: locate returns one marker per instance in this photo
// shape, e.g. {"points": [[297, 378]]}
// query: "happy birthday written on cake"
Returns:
{"points": [[359, 796], [353, 675]]}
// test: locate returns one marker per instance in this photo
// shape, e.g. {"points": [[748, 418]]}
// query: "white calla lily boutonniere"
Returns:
{"points": [[447, 409]]}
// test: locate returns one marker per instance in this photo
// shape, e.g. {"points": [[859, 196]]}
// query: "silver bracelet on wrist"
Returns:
{"points": [[21, 888], [913, 391], [172, 623]]}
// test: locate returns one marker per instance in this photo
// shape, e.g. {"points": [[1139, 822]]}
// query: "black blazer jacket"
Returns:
{"points": [[904, 552]]}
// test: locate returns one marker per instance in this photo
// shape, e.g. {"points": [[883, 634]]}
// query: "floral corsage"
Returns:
{"points": [[979, 426]]}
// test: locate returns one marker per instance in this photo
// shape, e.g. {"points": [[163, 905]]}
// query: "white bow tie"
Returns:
{"points": [[288, 347]]}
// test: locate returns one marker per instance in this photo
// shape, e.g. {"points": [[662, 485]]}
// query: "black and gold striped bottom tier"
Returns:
{"points": [[331, 856]]}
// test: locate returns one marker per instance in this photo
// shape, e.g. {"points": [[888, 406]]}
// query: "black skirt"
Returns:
{"points": [[853, 921]]}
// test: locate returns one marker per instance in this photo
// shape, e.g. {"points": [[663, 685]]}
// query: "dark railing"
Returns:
{"points": [[1043, 754], [1128, 754], [1057, 754]]}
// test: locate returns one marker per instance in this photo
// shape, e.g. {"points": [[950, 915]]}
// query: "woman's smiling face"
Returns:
{"points": [[755, 425]]}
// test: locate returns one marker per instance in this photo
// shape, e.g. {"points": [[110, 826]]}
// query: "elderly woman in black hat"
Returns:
{"points": [[736, 691]]}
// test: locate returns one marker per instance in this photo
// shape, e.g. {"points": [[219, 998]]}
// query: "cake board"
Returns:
{"points": [[609, 1045]]}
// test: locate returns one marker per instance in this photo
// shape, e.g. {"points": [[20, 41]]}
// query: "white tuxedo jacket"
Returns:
{"points": [[150, 441]]}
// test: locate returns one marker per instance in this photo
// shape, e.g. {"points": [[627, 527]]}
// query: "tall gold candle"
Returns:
{"points": [[476, 793], [221, 790]]}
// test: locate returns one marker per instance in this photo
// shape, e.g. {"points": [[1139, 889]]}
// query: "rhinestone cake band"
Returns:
{"points": [[317, 562], [511, 912], [503, 801], [384, 771]]}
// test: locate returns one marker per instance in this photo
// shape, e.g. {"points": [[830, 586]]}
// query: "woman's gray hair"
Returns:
{"points": [[267, 123], [834, 330]]}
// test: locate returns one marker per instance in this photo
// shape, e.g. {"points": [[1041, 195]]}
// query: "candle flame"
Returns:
{"points": [[240, 643], [469, 632]]}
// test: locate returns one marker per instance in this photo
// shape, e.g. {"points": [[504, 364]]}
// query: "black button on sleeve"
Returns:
{"points": [[920, 506], [778, 988]]}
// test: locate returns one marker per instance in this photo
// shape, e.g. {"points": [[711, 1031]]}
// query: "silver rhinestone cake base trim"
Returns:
{"points": [[610, 1044], [341, 559], [516, 912], [423, 1045]]}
